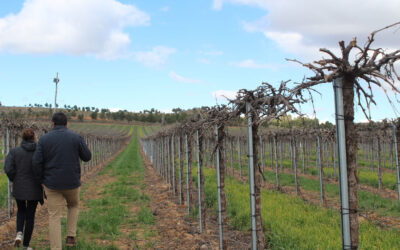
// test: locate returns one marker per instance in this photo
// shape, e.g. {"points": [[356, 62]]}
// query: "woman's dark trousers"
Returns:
{"points": [[26, 217]]}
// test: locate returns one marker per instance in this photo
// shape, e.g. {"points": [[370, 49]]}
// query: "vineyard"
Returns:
{"points": [[299, 177], [240, 175], [301, 166], [102, 141]]}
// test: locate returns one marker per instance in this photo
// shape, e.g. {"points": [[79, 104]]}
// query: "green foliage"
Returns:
{"points": [[104, 216], [291, 223], [3, 190], [145, 216], [93, 115], [288, 121]]}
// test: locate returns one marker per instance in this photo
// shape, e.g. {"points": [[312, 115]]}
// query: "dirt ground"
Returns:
{"points": [[174, 228], [8, 227], [178, 231]]}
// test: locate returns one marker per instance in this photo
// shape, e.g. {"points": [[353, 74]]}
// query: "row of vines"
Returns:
{"points": [[281, 153], [102, 147], [358, 157]]}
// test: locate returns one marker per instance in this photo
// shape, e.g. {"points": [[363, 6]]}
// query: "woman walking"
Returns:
{"points": [[26, 190]]}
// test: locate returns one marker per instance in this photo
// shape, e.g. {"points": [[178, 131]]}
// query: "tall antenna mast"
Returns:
{"points": [[56, 80]]}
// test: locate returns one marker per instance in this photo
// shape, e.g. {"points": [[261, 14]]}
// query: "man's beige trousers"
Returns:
{"points": [[55, 205]]}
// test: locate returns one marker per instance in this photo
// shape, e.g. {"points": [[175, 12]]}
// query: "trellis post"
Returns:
{"points": [[341, 149], [187, 174], [396, 159], [180, 169], [318, 151], [173, 163], [8, 180], [199, 179], [251, 178], [218, 190]]}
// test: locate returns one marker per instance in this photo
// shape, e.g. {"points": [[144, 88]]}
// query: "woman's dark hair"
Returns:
{"points": [[59, 118], [28, 135]]}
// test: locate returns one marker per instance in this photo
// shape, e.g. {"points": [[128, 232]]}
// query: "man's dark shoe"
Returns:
{"points": [[70, 241]]}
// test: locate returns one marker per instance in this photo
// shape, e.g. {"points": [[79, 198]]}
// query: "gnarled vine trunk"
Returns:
{"points": [[351, 152], [221, 138], [181, 157], [203, 207], [189, 170], [257, 185]]}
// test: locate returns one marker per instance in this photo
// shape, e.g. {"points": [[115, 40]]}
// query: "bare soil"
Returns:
{"points": [[8, 226], [173, 228], [176, 230]]}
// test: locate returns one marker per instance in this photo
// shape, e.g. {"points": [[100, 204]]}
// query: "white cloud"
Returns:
{"points": [[212, 53], [204, 61], [182, 79], [250, 64], [364, 120], [323, 120], [166, 111], [224, 94], [300, 27], [217, 4], [115, 109], [165, 9], [73, 27], [156, 57]]}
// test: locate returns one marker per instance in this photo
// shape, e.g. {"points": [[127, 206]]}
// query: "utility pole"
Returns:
{"points": [[56, 80]]}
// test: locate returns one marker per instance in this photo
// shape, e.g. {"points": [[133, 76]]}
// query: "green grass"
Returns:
{"points": [[3, 190], [371, 179], [367, 201], [101, 128], [291, 223], [365, 175], [145, 216], [104, 216], [1, 152]]}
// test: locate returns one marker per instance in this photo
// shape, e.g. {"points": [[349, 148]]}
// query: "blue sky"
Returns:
{"points": [[165, 54]]}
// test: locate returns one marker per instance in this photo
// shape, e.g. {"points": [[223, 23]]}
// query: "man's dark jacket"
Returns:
{"points": [[18, 167], [56, 160]]}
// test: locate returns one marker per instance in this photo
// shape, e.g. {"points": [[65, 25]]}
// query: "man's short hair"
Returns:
{"points": [[59, 118]]}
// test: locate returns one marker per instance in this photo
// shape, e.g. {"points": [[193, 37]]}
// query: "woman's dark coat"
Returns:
{"points": [[18, 167]]}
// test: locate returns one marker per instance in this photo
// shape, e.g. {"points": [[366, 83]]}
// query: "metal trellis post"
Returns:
{"points": [[198, 178], [341, 149], [180, 168], [396, 159], [173, 163], [318, 151], [218, 191], [251, 178], [187, 175]]}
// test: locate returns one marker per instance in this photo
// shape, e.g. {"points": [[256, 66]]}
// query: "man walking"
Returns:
{"points": [[56, 165]]}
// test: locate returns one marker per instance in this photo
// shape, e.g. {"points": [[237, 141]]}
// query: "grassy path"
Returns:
{"points": [[114, 209], [124, 206]]}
